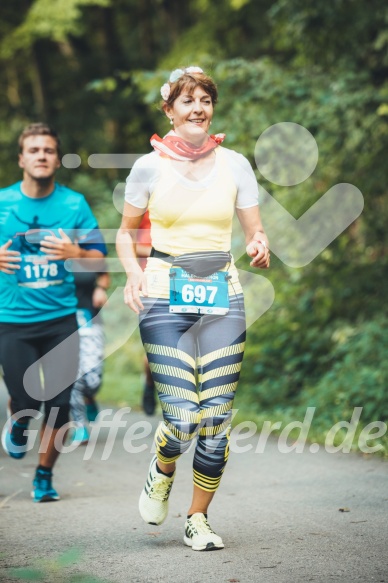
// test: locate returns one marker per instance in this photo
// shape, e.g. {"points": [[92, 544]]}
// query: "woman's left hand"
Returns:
{"points": [[259, 252]]}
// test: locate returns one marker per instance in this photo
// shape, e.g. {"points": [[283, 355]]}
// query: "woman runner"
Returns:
{"points": [[189, 298]]}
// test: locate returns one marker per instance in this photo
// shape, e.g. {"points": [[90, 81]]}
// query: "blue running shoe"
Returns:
{"points": [[91, 410], [13, 438], [80, 435], [43, 490]]}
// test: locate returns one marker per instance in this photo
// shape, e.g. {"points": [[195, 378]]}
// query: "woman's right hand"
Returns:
{"points": [[9, 259], [259, 253], [136, 282]]}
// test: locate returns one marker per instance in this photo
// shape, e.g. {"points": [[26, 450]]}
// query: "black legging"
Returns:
{"points": [[22, 345], [195, 362]]}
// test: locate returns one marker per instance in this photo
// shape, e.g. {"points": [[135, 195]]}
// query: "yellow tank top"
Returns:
{"points": [[186, 217]]}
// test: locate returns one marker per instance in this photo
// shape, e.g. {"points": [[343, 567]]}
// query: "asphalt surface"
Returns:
{"points": [[284, 517]]}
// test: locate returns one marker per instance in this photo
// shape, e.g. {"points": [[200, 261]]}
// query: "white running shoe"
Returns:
{"points": [[153, 503], [199, 536]]}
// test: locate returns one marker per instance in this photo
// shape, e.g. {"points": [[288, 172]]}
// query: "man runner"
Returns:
{"points": [[42, 224]]}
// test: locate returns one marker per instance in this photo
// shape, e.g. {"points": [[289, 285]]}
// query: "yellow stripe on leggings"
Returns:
{"points": [[172, 371], [220, 372], [166, 460], [217, 391], [214, 430], [221, 353], [206, 483], [216, 410], [180, 434], [182, 414], [169, 351], [174, 391]]}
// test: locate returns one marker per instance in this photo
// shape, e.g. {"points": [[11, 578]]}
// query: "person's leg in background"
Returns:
{"points": [[59, 347], [83, 406], [26, 351], [60, 361], [149, 396], [94, 372], [17, 354], [78, 410]]}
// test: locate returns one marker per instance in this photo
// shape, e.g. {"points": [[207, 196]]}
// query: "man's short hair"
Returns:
{"points": [[39, 129]]}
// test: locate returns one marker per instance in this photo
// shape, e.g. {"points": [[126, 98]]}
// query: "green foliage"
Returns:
{"points": [[335, 369], [52, 19], [296, 359], [358, 374], [333, 32]]}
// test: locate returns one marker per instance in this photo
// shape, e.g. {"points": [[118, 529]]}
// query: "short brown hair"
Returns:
{"points": [[39, 129], [188, 82]]}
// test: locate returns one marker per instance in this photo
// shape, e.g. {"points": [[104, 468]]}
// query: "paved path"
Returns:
{"points": [[277, 513]]}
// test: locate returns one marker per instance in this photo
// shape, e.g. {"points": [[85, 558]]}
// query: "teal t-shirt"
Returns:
{"points": [[42, 289]]}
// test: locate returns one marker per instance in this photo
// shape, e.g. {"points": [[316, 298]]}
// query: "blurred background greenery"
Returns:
{"points": [[93, 69]]}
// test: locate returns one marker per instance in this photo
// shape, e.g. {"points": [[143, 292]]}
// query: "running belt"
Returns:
{"points": [[201, 264]]}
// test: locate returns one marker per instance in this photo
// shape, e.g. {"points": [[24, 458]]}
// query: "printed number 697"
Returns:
{"points": [[198, 293]]}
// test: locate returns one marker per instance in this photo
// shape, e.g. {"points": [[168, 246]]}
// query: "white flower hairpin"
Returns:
{"points": [[165, 91], [175, 75]]}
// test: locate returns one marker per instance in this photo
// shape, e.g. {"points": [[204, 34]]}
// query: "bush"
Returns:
{"points": [[358, 376]]}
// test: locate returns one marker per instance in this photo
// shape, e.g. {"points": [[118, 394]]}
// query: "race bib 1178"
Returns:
{"points": [[37, 272]]}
